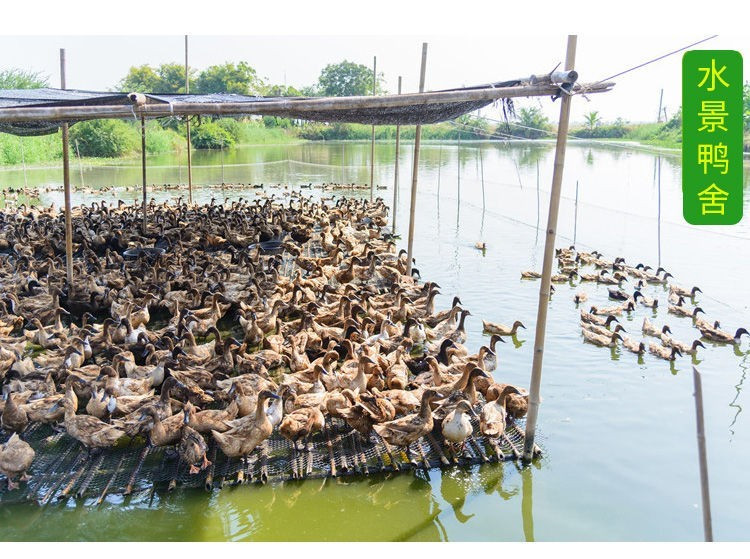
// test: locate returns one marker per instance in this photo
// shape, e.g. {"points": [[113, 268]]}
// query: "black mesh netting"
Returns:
{"points": [[415, 113], [65, 469]]}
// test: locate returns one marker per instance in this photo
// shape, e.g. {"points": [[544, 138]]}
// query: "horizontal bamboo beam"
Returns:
{"points": [[284, 107]]}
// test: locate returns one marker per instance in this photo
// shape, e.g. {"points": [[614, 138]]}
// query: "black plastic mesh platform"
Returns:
{"points": [[63, 468]]}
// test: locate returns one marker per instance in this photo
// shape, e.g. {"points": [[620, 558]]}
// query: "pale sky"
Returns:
{"points": [[99, 62]]}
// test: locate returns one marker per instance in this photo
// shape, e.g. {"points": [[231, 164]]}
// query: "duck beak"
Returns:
{"points": [[274, 396], [186, 418]]}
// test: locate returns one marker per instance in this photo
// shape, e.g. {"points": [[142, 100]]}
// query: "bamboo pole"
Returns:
{"points": [[66, 183], [301, 109], [481, 169], [143, 168], [395, 171], [538, 208], [458, 162], [372, 143], [187, 128], [705, 496], [658, 211], [575, 217], [549, 250], [222, 161], [440, 166], [23, 162], [80, 165], [415, 168], [661, 98]]}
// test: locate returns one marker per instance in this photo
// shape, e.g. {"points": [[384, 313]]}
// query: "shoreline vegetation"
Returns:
{"points": [[109, 142], [97, 142]]}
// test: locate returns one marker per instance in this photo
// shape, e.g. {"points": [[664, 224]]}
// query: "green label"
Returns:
{"points": [[712, 137]]}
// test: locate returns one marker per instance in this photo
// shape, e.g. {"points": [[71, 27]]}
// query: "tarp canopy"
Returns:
{"points": [[28, 112]]}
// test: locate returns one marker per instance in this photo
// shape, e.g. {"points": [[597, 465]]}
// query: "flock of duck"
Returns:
{"points": [[191, 331], [13, 194], [600, 325]]}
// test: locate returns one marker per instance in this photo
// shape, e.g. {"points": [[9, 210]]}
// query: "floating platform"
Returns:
{"points": [[64, 469]]}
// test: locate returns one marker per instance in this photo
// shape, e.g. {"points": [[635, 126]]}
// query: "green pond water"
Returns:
{"points": [[618, 431]]}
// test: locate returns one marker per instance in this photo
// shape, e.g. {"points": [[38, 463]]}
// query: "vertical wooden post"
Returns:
{"points": [[187, 128], [66, 184], [372, 143], [661, 98], [440, 166], [481, 169], [705, 496], [143, 168], [549, 251], [395, 172], [23, 162], [538, 206], [222, 161], [80, 165], [658, 210], [415, 168], [458, 159], [575, 216]]}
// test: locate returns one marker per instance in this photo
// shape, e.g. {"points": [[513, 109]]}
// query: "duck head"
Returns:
{"points": [[465, 407]]}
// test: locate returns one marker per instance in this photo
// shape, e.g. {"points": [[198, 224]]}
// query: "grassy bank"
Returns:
{"points": [[105, 141]]}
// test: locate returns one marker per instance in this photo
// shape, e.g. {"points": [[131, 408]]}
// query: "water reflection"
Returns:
{"points": [[527, 503], [738, 388], [454, 487], [491, 480], [528, 155]]}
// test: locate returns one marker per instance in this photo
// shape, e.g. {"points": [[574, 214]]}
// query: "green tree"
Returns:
{"points": [[310, 91], [167, 78], [210, 135], [592, 120], [104, 138], [16, 78], [533, 117], [172, 78], [238, 78], [282, 91], [347, 79], [473, 126]]}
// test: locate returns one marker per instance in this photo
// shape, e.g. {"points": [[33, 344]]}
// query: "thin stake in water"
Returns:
{"points": [[703, 461], [575, 219]]}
